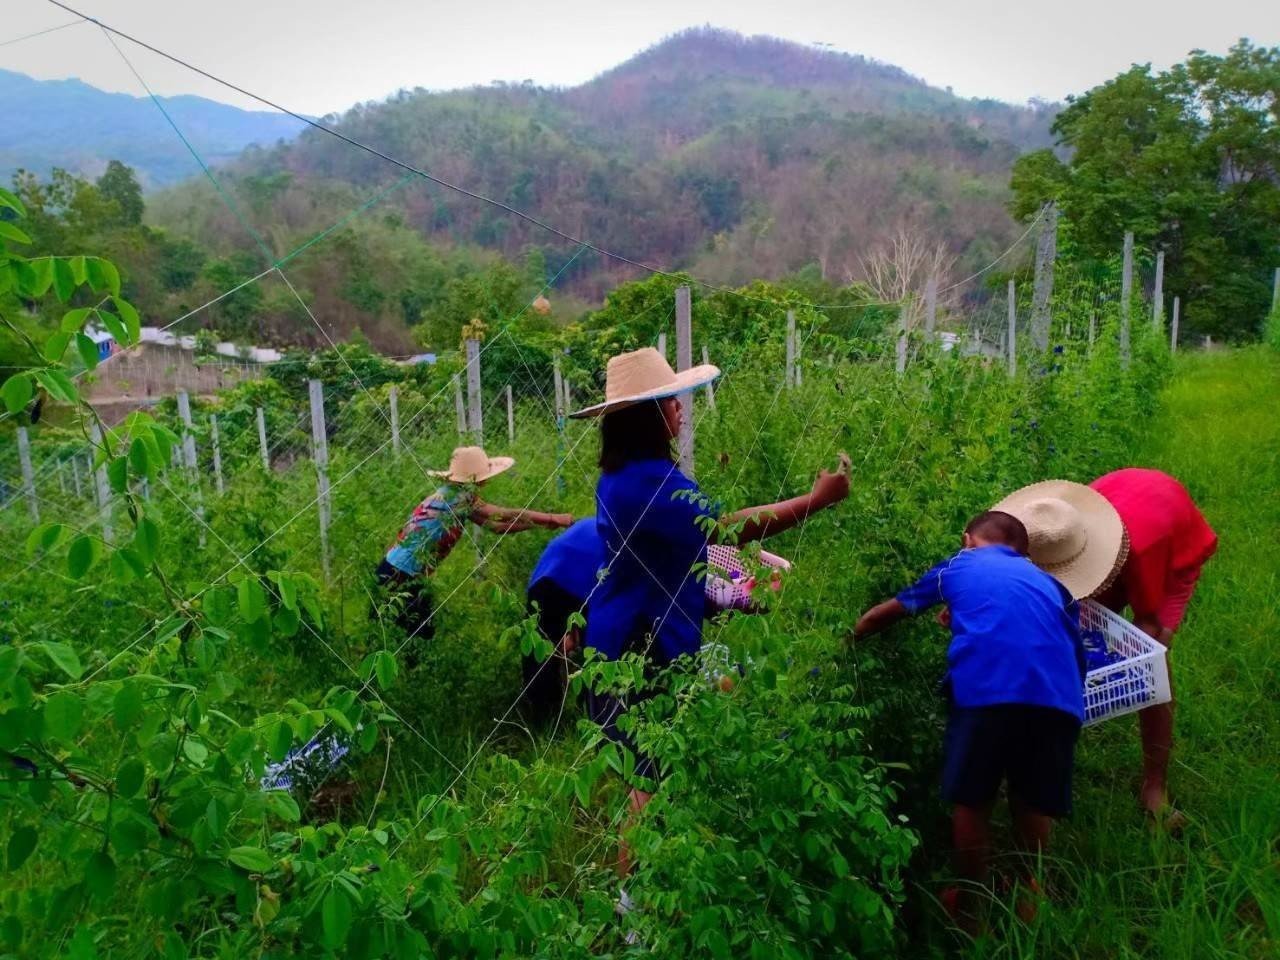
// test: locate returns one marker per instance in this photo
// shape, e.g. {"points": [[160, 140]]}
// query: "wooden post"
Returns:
{"points": [[62, 477], [790, 377], [75, 476], [1157, 294], [799, 370], [189, 457], [711, 390], [1042, 294], [475, 415], [320, 454], [568, 396], [1093, 328], [511, 418], [930, 306], [684, 360], [1126, 294], [394, 398], [217, 452], [459, 407], [900, 351], [1013, 329], [262, 438], [101, 486], [558, 384], [662, 344], [1173, 327], [28, 474]]}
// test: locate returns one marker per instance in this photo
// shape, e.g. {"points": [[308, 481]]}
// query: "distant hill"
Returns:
{"points": [[738, 157], [69, 124]]}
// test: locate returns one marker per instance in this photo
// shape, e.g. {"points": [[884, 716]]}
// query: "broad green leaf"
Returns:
{"points": [[386, 668], [100, 875], [340, 720], [282, 805], [281, 741], [216, 604], [132, 323], [114, 327], [139, 461], [250, 598], [88, 351], [288, 591], [253, 859], [21, 842], [84, 553], [38, 277], [130, 777], [195, 751], [215, 816], [45, 537], [126, 567], [62, 715], [63, 657], [78, 269], [118, 474], [103, 276], [287, 621], [335, 916], [9, 232], [56, 346], [64, 281], [17, 392], [127, 704], [10, 200], [58, 384], [74, 320], [146, 540]]}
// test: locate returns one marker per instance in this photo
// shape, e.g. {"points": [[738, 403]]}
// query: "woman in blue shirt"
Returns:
{"points": [[655, 525]]}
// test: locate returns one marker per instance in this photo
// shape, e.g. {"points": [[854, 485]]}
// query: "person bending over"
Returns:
{"points": [[1016, 693]]}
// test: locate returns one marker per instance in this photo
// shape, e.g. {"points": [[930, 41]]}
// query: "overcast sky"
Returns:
{"points": [[325, 55]]}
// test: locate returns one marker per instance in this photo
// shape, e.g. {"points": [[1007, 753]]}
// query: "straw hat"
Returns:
{"points": [[1075, 533], [644, 374], [472, 465]]}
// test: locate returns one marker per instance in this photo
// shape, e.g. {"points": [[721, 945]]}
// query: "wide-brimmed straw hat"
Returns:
{"points": [[473, 465], [644, 374], [1075, 533]]}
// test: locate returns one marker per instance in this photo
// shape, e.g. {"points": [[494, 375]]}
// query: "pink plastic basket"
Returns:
{"points": [[729, 581]]}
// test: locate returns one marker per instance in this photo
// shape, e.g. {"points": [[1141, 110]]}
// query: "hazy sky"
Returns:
{"points": [[323, 55]]}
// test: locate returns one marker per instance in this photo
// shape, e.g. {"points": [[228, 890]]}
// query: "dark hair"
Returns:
{"points": [[1000, 527], [638, 432]]}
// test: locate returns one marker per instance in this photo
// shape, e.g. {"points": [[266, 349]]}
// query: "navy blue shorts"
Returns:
{"points": [[1032, 748]]}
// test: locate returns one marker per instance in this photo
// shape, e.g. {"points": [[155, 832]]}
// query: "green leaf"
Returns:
{"points": [[100, 875], [56, 346], [282, 805], [118, 474], [127, 704], [64, 281], [17, 392], [10, 200], [340, 720], [287, 622], [139, 461], [195, 751], [281, 741], [9, 232], [88, 351], [288, 591], [146, 540], [58, 384], [38, 277], [45, 537], [253, 859], [74, 320], [215, 815], [126, 566], [21, 843], [130, 777], [114, 327], [84, 553], [129, 314], [63, 657], [79, 272], [216, 604], [103, 276], [62, 715], [386, 668], [335, 916], [250, 599]]}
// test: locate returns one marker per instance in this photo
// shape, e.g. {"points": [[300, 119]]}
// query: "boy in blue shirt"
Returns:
{"points": [[1015, 674]]}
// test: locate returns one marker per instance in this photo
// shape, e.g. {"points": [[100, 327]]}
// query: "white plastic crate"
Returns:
{"points": [[729, 582], [1139, 680]]}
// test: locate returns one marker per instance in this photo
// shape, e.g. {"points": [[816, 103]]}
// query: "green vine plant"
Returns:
{"points": [[139, 779]]}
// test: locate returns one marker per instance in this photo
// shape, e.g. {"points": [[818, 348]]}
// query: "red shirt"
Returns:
{"points": [[1169, 541]]}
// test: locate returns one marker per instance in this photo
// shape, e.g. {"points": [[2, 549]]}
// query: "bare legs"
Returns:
{"points": [[971, 837]]}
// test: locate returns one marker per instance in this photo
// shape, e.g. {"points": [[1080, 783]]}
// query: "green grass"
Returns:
{"points": [[1119, 890]]}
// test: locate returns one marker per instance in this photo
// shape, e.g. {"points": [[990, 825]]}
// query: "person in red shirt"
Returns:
{"points": [[1166, 543], [1169, 543]]}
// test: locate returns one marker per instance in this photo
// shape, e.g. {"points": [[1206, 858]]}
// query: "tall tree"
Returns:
{"points": [[119, 184], [1189, 160]]}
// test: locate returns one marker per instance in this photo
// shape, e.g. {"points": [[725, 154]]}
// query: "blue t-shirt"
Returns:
{"points": [[572, 560], [650, 519], [1015, 630]]}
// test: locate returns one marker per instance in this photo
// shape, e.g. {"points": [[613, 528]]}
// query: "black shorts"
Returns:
{"points": [[1033, 748], [416, 611], [546, 682]]}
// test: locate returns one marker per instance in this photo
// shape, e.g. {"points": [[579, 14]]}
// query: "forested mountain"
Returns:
{"points": [[78, 128]]}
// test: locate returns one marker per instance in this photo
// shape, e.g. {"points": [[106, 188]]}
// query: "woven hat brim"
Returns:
{"points": [[496, 466], [685, 381], [1105, 549]]}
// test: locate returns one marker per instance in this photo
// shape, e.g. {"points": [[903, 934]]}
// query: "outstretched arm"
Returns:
{"points": [[509, 520], [880, 617], [772, 518]]}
